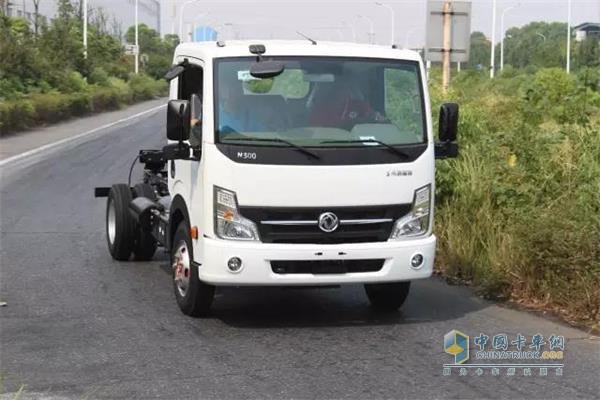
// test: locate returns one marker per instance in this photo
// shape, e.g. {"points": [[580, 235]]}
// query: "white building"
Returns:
{"points": [[587, 29]]}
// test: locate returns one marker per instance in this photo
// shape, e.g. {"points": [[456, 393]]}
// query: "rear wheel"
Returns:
{"points": [[145, 245], [387, 296], [193, 296], [120, 226]]}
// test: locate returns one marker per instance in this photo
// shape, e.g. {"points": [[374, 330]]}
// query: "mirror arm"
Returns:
{"points": [[445, 150], [196, 153]]}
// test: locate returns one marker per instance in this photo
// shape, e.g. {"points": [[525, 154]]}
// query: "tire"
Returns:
{"points": [[120, 226], [144, 245], [387, 296], [144, 190], [193, 296]]}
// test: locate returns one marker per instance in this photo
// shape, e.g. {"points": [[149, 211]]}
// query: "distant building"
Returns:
{"points": [[123, 11], [586, 30]]}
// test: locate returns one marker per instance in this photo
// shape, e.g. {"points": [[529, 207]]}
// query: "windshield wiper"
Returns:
{"points": [[384, 144], [278, 140]]}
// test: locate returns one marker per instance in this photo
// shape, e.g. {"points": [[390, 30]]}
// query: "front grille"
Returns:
{"points": [[320, 267], [311, 234]]}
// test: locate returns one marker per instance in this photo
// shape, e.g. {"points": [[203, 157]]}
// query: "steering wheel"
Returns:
{"points": [[364, 113]]}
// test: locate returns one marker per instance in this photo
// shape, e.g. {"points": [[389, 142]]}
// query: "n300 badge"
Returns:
{"points": [[244, 155]]}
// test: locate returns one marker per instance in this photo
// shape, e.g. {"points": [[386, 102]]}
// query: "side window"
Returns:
{"points": [[402, 101], [191, 83]]}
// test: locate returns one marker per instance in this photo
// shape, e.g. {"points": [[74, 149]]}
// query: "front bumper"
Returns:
{"points": [[256, 262]]}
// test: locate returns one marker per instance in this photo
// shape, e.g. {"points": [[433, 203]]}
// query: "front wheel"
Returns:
{"points": [[387, 296], [120, 226], [145, 244], [193, 296]]}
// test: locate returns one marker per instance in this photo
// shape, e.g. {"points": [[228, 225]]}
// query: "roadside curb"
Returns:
{"points": [[31, 156]]}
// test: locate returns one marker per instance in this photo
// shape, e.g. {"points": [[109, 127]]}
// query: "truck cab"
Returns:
{"points": [[292, 163]]}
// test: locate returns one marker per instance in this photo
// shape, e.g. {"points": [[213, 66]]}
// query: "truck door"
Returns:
{"points": [[185, 177]]}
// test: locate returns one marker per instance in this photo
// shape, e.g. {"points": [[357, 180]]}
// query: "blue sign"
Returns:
{"points": [[203, 34]]}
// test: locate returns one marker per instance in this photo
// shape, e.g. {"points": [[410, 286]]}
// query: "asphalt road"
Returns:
{"points": [[80, 325]]}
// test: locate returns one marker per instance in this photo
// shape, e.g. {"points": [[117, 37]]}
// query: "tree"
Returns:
{"points": [[479, 53], [159, 52], [20, 66], [588, 52], [538, 44], [36, 16], [61, 44]]}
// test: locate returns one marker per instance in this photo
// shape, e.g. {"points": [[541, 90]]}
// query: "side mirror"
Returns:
{"points": [[178, 120], [448, 124]]}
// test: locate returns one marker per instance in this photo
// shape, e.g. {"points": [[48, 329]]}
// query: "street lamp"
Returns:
{"points": [[392, 15], [137, 48], [542, 36], [85, 22], [181, 18], [569, 37], [352, 30], [408, 34], [492, 55], [230, 25], [371, 30], [502, 37]]}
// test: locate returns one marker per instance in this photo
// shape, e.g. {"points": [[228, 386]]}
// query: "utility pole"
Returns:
{"points": [[85, 22], [408, 34], [569, 37], [446, 29], [502, 36], [137, 44], [393, 16], [371, 30], [493, 53], [181, 11]]}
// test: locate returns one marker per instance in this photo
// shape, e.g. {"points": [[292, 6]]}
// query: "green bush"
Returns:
{"points": [[122, 90], [106, 98], [143, 87], [79, 103], [98, 76], [518, 213], [46, 108], [15, 115], [71, 82], [51, 107]]}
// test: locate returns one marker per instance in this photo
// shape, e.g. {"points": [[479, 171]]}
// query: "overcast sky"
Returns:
{"points": [[333, 19]]}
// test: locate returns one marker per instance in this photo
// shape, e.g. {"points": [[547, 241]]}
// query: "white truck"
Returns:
{"points": [[289, 163]]}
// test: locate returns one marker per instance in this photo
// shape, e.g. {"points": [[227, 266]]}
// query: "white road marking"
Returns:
{"points": [[50, 146]]}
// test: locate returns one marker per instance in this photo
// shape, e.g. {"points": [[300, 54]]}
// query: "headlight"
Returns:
{"points": [[229, 223], [416, 222]]}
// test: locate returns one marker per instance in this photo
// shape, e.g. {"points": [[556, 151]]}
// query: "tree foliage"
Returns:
{"points": [[538, 44], [534, 46], [479, 54], [157, 54], [53, 60]]}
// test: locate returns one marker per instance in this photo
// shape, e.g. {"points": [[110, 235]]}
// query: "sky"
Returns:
{"points": [[336, 19]]}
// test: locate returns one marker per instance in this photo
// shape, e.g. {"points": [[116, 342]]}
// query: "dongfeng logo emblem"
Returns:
{"points": [[328, 222]]}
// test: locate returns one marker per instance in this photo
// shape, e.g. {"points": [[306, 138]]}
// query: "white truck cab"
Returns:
{"points": [[293, 163]]}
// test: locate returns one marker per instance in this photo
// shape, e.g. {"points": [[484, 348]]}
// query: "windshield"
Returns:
{"points": [[320, 102]]}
